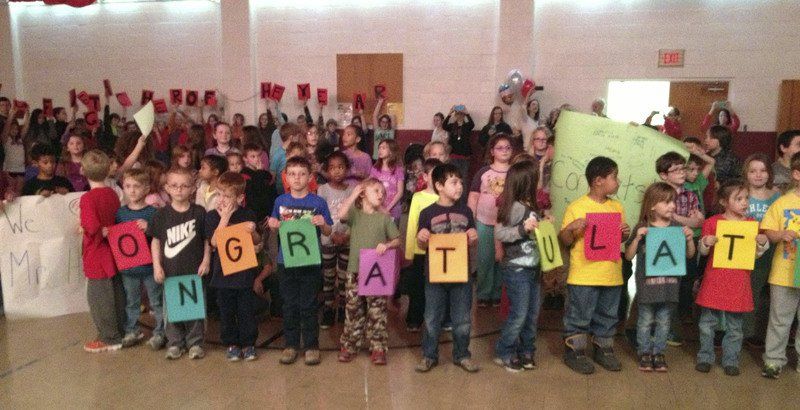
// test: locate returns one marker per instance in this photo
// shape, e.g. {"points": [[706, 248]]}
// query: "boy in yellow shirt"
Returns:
{"points": [[781, 224], [593, 287]]}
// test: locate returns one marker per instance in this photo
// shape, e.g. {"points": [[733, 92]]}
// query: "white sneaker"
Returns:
{"points": [[132, 339], [174, 352], [196, 352]]}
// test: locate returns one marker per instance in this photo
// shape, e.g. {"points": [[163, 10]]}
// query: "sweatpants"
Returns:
{"points": [[106, 299], [783, 308]]}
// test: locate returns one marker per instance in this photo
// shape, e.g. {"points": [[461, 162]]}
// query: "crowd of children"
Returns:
{"points": [[190, 180]]}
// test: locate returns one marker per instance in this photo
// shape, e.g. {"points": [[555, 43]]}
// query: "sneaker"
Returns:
{"points": [[312, 357], [196, 352], [483, 303], [378, 357], [659, 363], [604, 356], [527, 362], [412, 329], [132, 339], [288, 356], [674, 340], [345, 356], [174, 352], [703, 367], [512, 365], [577, 361], [234, 354], [327, 318], [425, 365], [731, 370], [157, 342], [249, 354], [495, 302], [468, 365], [771, 371], [646, 363], [98, 346]]}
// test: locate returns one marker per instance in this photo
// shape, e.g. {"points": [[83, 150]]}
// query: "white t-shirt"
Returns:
{"points": [[15, 157]]}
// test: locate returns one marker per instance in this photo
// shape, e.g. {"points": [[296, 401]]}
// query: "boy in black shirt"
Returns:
{"points": [[46, 182]]}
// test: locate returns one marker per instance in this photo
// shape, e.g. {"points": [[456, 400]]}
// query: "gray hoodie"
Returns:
{"points": [[520, 247]]}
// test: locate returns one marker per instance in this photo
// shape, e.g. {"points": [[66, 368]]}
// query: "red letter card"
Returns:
{"points": [[266, 89], [107, 86], [73, 98], [95, 101], [123, 99], [147, 95], [191, 98], [277, 92], [176, 96], [210, 98], [358, 101], [83, 96], [129, 245], [603, 236], [304, 92], [322, 96], [160, 106], [380, 91], [47, 107]]}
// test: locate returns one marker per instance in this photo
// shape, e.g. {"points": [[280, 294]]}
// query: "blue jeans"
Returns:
{"points": [[299, 288], [658, 314], [437, 297], [237, 314], [592, 310], [133, 301], [731, 343], [489, 277], [518, 336]]}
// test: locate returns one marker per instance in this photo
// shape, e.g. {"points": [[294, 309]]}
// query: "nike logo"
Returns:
{"points": [[178, 237]]}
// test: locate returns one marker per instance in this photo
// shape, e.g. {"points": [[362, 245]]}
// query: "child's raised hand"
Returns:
{"points": [[761, 239], [318, 220], [688, 233], [381, 249], [142, 224], [472, 236], [273, 223], [788, 236], [530, 224], [641, 232], [225, 210], [710, 240], [625, 228], [424, 235]]}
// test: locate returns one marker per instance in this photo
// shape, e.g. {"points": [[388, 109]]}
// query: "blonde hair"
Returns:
{"points": [[426, 152], [95, 164], [655, 193], [367, 183]]}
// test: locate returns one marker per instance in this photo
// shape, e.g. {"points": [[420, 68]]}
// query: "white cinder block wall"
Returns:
{"points": [[454, 51], [580, 45]]}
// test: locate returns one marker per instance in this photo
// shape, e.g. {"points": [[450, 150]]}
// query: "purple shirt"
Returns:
{"points": [[389, 180], [360, 166], [72, 171]]}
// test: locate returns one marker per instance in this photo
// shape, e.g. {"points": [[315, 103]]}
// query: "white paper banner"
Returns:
{"points": [[40, 257]]}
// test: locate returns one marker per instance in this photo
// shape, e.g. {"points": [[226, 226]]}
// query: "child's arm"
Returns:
{"points": [[307, 112], [777, 236], [706, 243], [423, 236], [376, 112], [383, 247], [690, 249], [26, 123], [319, 220], [694, 220], [205, 265], [630, 250], [133, 156], [158, 270], [344, 208], [571, 232], [472, 202], [515, 228]]}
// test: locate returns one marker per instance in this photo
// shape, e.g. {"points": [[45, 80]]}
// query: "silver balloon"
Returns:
{"points": [[515, 80]]}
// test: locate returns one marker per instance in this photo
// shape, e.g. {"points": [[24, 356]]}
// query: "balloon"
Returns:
{"points": [[527, 86], [503, 88], [515, 80]]}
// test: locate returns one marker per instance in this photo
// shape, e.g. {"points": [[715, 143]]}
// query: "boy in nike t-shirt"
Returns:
{"points": [[180, 247]]}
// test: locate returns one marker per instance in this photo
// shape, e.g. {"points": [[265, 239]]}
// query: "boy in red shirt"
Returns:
{"points": [[104, 290]]}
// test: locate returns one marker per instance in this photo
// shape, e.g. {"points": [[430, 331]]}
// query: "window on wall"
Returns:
{"points": [[635, 100]]}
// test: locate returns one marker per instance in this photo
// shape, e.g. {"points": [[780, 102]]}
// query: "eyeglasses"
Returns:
{"points": [[504, 148]]}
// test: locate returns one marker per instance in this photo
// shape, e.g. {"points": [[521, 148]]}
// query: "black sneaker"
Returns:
{"points": [[604, 356], [527, 362], [703, 367], [659, 363], [327, 318], [577, 361], [512, 365], [646, 363], [731, 370]]}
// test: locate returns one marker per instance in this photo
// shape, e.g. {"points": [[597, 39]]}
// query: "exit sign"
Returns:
{"points": [[670, 58]]}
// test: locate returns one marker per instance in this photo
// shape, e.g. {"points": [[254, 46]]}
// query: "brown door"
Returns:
{"points": [[789, 106], [693, 99]]}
